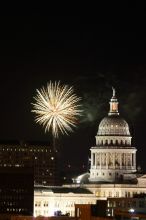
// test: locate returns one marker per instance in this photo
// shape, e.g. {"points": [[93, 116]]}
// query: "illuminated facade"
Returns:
{"points": [[39, 157], [113, 159], [48, 200]]}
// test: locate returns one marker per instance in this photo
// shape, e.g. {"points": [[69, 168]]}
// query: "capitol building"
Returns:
{"points": [[112, 170]]}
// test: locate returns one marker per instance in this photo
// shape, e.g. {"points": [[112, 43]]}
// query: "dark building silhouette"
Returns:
{"points": [[39, 156], [16, 190], [90, 211], [99, 209]]}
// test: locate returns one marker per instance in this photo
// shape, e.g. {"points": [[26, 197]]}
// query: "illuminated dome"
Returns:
{"points": [[113, 125], [113, 130], [113, 158]]}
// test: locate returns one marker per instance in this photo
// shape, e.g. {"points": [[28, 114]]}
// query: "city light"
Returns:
{"points": [[131, 210]]}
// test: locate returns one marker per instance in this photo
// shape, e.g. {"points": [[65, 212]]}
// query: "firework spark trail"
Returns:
{"points": [[57, 108]]}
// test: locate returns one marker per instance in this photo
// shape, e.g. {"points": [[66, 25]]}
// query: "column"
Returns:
{"points": [[96, 157], [107, 160], [104, 161], [131, 160], [120, 160], [95, 160], [91, 159], [134, 160], [114, 160], [125, 161], [100, 160]]}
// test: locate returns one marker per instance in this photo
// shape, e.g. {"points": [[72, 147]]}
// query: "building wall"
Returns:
{"points": [[65, 202], [127, 205], [16, 190], [40, 157], [103, 191], [84, 212], [46, 203], [111, 164]]}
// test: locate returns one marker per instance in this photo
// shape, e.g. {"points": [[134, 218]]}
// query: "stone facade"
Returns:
{"points": [[47, 201]]}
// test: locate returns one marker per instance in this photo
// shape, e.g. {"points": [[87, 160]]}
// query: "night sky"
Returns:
{"points": [[88, 53]]}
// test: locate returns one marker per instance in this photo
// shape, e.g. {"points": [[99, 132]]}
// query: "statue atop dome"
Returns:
{"points": [[114, 91]]}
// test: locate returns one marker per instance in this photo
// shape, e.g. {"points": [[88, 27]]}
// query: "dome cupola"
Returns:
{"points": [[113, 124], [113, 104]]}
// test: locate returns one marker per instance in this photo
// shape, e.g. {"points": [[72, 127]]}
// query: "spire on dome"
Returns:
{"points": [[113, 104]]}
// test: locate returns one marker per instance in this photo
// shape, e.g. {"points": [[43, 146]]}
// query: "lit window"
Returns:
{"points": [[97, 193], [117, 194], [114, 106], [110, 194]]}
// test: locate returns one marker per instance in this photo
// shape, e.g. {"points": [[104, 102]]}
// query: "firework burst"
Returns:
{"points": [[56, 108]]}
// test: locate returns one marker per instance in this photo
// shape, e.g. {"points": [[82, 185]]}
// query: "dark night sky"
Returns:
{"points": [[89, 53]]}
